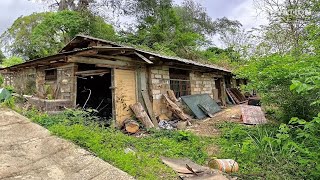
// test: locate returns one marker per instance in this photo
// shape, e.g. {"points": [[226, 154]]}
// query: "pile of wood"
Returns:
{"points": [[236, 96], [132, 126]]}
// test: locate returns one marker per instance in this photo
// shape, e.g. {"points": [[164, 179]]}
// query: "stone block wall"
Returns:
{"points": [[159, 84], [202, 83], [66, 82]]}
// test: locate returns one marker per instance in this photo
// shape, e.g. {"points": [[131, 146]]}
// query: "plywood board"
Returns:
{"points": [[125, 93], [252, 115]]}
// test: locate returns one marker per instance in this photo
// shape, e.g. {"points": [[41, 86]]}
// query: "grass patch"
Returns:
{"points": [[110, 144]]}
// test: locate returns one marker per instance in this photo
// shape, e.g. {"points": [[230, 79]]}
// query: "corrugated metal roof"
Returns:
{"points": [[186, 61]]}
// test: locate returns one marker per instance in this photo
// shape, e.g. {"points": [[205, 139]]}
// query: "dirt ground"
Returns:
{"points": [[207, 127]]}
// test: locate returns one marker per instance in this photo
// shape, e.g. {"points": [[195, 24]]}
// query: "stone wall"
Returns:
{"points": [[23, 81], [159, 84], [61, 88], [202, 83]]}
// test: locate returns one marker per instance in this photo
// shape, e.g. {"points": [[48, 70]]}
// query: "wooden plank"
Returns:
{"points": [[233, 97], [148, 104], [122, 58], [87, 53], [88, 60], [97, 71], [125, 93], [232, 100], [143, 58]]}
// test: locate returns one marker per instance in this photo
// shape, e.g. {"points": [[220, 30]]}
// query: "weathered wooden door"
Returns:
{"points": [[125, 93]]}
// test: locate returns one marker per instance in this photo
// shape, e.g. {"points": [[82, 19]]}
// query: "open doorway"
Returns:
{"points": [[93, 91], [218, 83]]}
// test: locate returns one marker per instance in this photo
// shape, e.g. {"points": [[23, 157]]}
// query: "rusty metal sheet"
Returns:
{"points": [[252, 115]]}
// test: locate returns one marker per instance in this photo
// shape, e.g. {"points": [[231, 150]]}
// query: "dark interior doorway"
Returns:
{"points": [[218, 83], [93, 91], [227, 81]]}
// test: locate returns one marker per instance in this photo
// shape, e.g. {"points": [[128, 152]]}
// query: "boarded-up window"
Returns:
{"points": [[51, 74], [180, 82]]}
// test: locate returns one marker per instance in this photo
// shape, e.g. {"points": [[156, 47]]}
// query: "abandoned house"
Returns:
{"points": [[102, 75]]}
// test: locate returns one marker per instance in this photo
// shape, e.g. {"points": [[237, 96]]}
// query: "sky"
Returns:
{"points": [[242, 10]]}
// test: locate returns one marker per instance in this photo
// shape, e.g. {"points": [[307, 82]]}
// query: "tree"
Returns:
{"points": [[288, 20], [72, 5], [16, 39], [58, 29], [179, 30], [46, 36], [14, 60]]}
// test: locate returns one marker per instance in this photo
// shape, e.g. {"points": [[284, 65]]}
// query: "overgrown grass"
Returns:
{"points": [[110, 144], [272, 152]]}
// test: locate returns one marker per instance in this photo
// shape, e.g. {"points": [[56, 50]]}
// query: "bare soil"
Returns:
{"points": [[207, 127]]}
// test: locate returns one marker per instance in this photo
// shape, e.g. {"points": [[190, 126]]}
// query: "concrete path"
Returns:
{"points": [[28, 151]]}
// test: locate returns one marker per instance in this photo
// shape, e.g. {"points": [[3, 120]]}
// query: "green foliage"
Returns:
{"points": [[110, 144], [17, 38], [58, 28], [223, 57], [2, 56], [1, 80], [272, 152], [9, 102], [175, 30], [43, 34], [11, 61], [273, 75]]}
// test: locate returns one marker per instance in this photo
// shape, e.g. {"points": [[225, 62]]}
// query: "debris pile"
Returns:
{"points": [[186, 169]]}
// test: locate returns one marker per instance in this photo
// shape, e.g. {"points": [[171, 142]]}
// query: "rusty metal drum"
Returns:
{"points": [[224, 165]]}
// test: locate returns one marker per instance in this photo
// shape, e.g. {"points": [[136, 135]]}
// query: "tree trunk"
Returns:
{"points": [[131, 126], [142, 115], [175, 109]]}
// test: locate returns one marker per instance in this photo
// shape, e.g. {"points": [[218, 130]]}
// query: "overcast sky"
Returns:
{"points": [[242, 10]]}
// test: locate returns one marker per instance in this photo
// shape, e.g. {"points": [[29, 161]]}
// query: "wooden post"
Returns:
{"points": [[142, 115]]}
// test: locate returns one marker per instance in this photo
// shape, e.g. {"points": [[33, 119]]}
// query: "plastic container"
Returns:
{"points": [[224, 165]]}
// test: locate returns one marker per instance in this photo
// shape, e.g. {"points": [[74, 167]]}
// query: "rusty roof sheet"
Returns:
{"points": [[252, 115]]}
